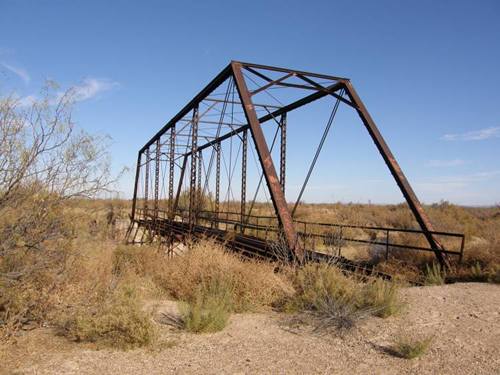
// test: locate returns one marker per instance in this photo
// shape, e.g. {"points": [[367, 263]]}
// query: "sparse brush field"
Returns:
{"points": [[88, 288], [91, 286], [68, 283]]}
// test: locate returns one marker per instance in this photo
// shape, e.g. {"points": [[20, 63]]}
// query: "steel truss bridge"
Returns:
{"points": [[193, 177]]}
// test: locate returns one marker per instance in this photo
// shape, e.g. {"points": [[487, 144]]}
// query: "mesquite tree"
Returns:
{"points": [[44, 160]]}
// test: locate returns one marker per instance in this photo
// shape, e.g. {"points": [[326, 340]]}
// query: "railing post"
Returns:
{"points": [[462, 245], [305, 234], [387, 245], [340, 241]]}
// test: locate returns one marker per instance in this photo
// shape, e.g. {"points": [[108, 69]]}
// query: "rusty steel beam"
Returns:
{"points": [[179, 186], [244, 177], [136, 185], [275, 114], [398, 175], [266, 161], [283, 151], [146, 189], [272, 83], [217, 181], [192, 179], [157, 176], [219, 79], [276, 184], [252, 67], [199, 195], [171, 170]]}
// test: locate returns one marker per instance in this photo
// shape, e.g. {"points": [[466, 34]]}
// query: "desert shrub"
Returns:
{"points": [[118, 322], [410, 348], [338, 300], [382, 297], [209, 309], [339, 314], [316, 285], [44, 163], [28, 284], [141, 260], [495, 275], [434, 274], [253, 284]]}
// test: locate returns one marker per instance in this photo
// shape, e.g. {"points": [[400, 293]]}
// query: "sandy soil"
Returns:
{"points": [[464, 318]]}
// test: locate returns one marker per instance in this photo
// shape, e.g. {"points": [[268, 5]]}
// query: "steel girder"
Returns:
{"points": [[254, 124]]}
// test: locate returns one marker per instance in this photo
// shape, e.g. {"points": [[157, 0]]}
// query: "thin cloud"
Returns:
{"points": [[445, 163], [476, 135], [91, 87], [27, 101], [88, 89], [20, 72], [447, 184]]}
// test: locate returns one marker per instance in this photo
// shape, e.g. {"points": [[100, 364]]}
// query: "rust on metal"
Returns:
{"points": [[204, 136]]}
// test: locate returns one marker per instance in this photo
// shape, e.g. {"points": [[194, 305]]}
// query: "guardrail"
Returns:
{"points": [[319, 237]]}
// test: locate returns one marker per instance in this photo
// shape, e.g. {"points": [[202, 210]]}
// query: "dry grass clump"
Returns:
{"points": [[29, 282], [410, 348], [144, 261], [317, 283], [252, 284], [340, 301], [210, 308], [434, 274], [382, 297], [209, 281], [118, 322]]}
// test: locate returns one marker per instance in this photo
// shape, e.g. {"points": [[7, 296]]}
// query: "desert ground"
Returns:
{"points": [[75, 297], [464, 320]]}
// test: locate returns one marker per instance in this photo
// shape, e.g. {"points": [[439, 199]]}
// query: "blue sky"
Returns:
{"points": [[428, 72]]}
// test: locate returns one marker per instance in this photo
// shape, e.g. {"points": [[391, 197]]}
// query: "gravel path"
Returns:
{"points": [[463, 318]]}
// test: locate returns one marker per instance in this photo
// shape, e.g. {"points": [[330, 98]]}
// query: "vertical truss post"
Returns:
{"points": [[398, 174], [192, 180], [171, 167], [179, 186], [217, 183], [283, 151], [157, 177], [199, 195], [266, 161], [244, 177], [136, 184], [146, 183]]}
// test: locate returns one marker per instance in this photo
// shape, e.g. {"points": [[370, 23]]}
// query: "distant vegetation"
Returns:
{"points": [[63, 262]]}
